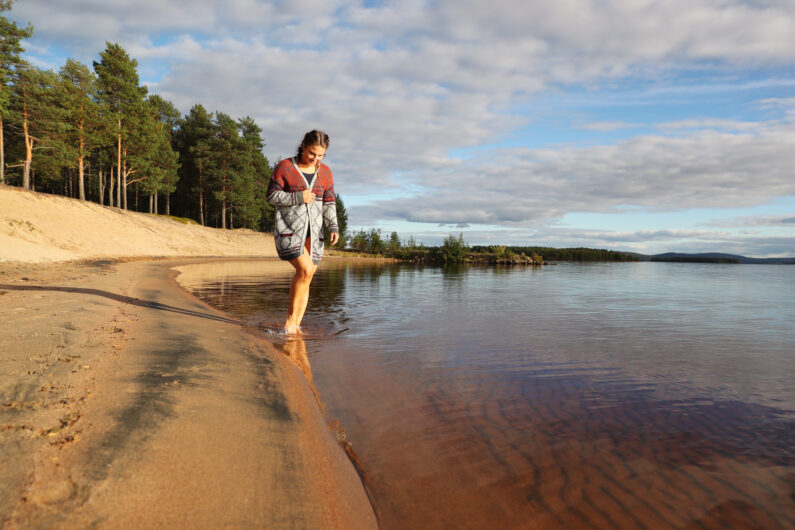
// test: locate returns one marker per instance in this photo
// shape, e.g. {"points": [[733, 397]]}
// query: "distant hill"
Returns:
{"points": [[717, 257]]}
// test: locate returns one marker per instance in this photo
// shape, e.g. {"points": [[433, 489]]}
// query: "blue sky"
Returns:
{"points": [[648, 126]]}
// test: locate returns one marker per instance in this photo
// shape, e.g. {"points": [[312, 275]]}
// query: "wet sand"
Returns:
{"points": [[127, 403]]}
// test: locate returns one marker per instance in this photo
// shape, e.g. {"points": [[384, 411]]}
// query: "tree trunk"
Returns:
{"points": [[118, 168], [156, 208], [2, 154], [151, 202], [26, 175], [201, 208], [28, 151], [168, 204], [101, 184], [223, 214], [81, 171], [124, 183], [112, 182]]}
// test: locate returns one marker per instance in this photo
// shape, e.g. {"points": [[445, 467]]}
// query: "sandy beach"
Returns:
{"points": [[125, 402]]}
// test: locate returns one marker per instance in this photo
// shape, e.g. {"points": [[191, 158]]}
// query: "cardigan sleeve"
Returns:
{"points": [[330, 216], [276, 194], [330, 205]]}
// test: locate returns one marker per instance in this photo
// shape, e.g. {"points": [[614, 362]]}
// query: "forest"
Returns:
{"points": [[95, 133]]}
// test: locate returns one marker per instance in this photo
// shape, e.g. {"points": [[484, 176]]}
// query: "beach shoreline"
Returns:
{"points": [[126, 401]]}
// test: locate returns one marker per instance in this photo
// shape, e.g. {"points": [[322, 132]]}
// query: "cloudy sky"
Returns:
{"points": [[641, 125]]}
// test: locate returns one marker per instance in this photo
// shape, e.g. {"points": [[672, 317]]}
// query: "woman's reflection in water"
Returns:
{"points": [[295, 350]]}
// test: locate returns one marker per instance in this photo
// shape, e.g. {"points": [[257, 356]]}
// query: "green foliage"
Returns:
{"points": [[230, 172], [118, 81], [359, 241], [258, 213], [500, 252], [36, 122], [193, 140], [160, 161], [453, 249], [370, 241], [182, 220], [11, 49], [133, 122], [77, 95], [342, 223], [394, 242]]}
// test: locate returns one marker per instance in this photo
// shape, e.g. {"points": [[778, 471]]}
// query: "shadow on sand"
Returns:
{"points": [[121, 298]]}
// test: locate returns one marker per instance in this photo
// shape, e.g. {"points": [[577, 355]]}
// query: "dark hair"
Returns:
{"points": [[313, 137]]}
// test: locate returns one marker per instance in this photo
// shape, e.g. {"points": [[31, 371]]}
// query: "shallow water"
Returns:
{"points": [[570, 396]]}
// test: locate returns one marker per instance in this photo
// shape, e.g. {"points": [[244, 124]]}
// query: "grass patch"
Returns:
{"points": [[19, 223], [183, 220]]}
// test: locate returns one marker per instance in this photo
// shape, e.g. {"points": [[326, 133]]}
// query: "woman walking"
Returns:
{"points": [[302, 189]]}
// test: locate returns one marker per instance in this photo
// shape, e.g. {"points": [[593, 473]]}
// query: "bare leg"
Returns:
{"points": [[299, 290]]}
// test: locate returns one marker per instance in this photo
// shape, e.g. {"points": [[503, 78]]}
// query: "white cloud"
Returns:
{"points": [[653, 173], [398, 87], [608, 126], [787, 221], [712, 123]]}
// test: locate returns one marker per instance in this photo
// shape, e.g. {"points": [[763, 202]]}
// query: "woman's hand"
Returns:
{"points": [[334, 238], [309, 197]]}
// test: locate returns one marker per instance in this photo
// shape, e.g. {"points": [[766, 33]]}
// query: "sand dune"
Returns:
{"points": [[36, 227]]}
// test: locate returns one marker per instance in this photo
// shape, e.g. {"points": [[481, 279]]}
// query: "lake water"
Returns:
{"points": [[627, 395]]}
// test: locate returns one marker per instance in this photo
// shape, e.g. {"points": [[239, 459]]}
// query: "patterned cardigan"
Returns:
{"points": [[295, 220]]}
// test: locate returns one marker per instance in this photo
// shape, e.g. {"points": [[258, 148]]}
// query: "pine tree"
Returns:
{"points": [[342, 222], [453, 250], [119, 89], [162, 161], [254, 206], [193, 139], [359, 240], [36, 114], [78, 97], [11, 49], [394, 241], [374, 241], [228, 161]]}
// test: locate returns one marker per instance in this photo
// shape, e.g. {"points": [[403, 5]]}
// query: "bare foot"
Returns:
{"points": [[292, 330]]}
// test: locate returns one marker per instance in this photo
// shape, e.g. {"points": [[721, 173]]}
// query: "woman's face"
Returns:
{"points": [[312, 155]]}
